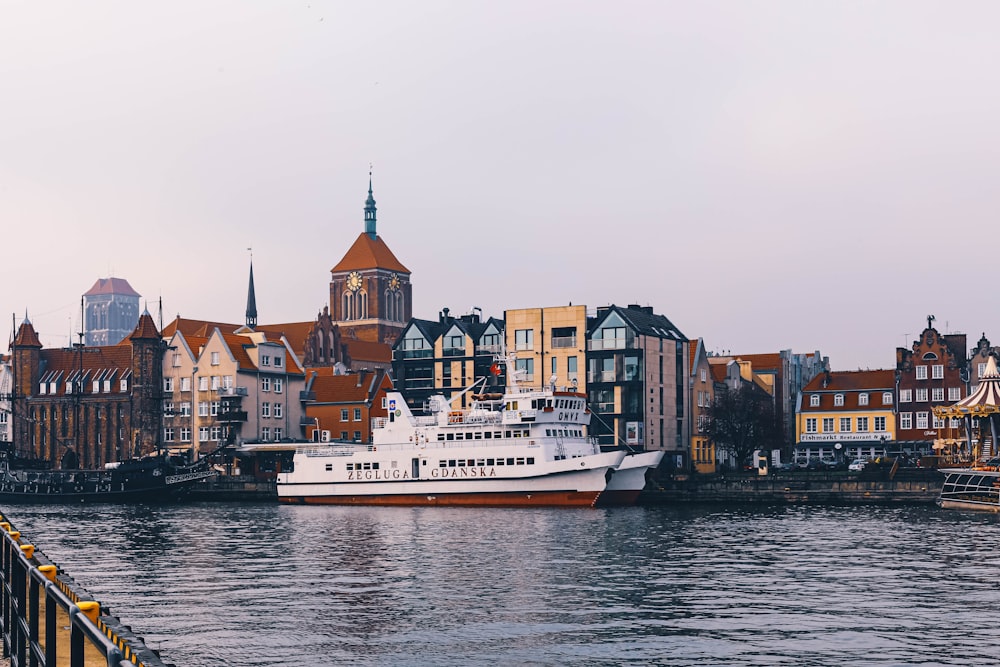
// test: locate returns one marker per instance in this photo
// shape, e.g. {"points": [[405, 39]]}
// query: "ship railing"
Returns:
{"points": [[49, 620]]}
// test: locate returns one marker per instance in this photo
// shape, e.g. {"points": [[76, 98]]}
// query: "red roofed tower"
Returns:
{"points": [[370, 290]]}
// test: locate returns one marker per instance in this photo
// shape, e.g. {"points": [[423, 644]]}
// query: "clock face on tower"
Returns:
{"points": [[394, 282], [354, 281]]}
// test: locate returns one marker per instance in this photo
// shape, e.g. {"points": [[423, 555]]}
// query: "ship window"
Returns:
{"points": [[510, 461], [375, 465], [366, 466], [460, 436], [450, 436], [488, 435], [478, 435], [350, 466], [441, 436], [500, 462], [497, 434], [329, 466], [442, 464], [461, 463], [507, 434], [480, 462], [520, 461], [531, 460], [451, 463]]}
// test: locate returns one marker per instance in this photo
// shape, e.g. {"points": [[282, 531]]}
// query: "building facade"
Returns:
{"points": [[934, 371], [549, 345], [637, 370], [99, 403], [701, 396], [341, 407], [846, 415]]}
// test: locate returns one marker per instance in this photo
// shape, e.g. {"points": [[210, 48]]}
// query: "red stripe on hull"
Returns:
{"points": [[618, 498], [511, 499]]}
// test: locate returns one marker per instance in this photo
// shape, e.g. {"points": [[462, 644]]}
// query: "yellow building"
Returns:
{"points": [[845, 415], [549, 345]]}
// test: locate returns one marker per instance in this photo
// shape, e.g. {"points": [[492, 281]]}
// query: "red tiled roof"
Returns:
{"points": [[197, 327], [111, 286], [692, 351], [718, 372], [145, 328], [762, 362], [344, 388], [295, 332], [92, 360], [369, 253], [850, 384], [363, 350], [26, 336]]}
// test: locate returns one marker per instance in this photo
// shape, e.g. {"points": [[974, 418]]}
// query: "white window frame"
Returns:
{"points": [[814, 400], [921, 395], [921, 372], [937, 371], [905, 421], [863, 398], [838, 400], [922, 420]]}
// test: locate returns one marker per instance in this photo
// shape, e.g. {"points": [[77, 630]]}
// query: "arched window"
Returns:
{"points": [[398, 307], [348, 309], [362, 305]]}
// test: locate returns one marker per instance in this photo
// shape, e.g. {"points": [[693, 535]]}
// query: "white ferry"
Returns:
{"points": [[525, 447], [976, 488]]}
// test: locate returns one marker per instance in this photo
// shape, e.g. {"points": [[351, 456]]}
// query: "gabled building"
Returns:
{"points": [[845, 415], [341, 407], [90, 405], [446, 356], [230, 386], [637, 370], [701, 396], [931, 373]]}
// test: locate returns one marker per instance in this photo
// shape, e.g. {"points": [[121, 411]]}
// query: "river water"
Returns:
{"points": [[258, 584]]}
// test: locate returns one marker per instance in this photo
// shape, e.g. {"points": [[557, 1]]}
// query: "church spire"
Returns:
{"points": [[251, 300], [370, 208]]}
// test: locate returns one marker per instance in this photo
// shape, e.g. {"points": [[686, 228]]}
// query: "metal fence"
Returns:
{"points": [[47, 620]]}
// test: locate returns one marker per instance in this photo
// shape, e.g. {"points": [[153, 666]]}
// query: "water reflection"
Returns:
{"points": [[280, 585]]}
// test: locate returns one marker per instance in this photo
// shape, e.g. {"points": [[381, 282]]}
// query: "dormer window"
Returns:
{"points": [[265, 360], [863, 399], [838, 399], [124, 385], [887, 398], [814, 400]]}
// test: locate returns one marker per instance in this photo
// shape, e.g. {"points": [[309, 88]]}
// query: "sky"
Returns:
{"points": [[767, 175]]}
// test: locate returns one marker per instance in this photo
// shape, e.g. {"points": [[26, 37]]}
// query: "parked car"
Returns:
{"points": [[857, 465], [784, 466]]}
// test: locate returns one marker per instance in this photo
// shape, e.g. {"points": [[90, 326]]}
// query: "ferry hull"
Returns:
{"points": [[483, 499], [970, 489], [629, 479]]}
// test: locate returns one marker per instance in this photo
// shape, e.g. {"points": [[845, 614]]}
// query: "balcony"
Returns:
{"points": [[307, 395], [563, 342], [601, 376], [233, 391], [232, 416], [598, 344], [453, 352], [412, 354]]}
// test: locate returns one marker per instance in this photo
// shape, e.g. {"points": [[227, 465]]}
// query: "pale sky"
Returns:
{"points": [[768, 175]]}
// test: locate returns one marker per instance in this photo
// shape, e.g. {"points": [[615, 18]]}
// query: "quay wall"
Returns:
{"points": [[923, 487]]}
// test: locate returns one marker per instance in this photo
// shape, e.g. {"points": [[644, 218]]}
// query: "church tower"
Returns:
{"points": [[370, 290]]}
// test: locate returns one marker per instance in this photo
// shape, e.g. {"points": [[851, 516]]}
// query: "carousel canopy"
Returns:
{"points": [[984, 401]]}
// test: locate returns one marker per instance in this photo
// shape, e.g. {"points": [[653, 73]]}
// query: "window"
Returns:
{"points": [[554, 368], [215, 358], [213, 408], [215, 383], [177, 360], [265, 360], [357, 436], [905, 395], [96, 388], [921, 420], [921, 372], [528, 366], [571, 369], [202, 408], [863, 398], [185, 434], [982, 370], [185, 384], [937, 394], [938, 422], [277, 362], [814, 400], [278, 433], [343, 414], [227, 381], [168, 409], [168, 434], [838, 399], [216, 433], [277, 410], [185, 409], [879, 424], [827, 424], [203, 433], [887, 398], [811, 425], [905, 420], [937, 371], [343, 435], [265, 409], [265, 434], [203, 383], [453, 345], [954, 393], [277, 385], [845, 424], [357, 414], [921, 395], [704, 375], [123, 385], [862, 424], [633, 371], [524, 339], [265, 384], [107, 386]]}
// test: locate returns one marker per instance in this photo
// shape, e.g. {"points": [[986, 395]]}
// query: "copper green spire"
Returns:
{"points": [[370, 208]]}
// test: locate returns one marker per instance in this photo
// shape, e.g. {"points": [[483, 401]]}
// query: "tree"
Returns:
{"points": [[743, 420]]}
